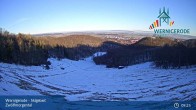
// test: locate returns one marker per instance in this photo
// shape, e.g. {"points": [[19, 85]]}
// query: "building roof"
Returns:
{"points": [[163, 15]]}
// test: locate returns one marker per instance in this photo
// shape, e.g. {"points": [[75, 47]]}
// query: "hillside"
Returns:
{"points": [[164, 52], [155, 41], [191, 43], [28, 50], [83, 80]]}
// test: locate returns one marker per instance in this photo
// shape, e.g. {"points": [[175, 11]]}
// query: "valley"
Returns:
{"points": [[83, 80]]}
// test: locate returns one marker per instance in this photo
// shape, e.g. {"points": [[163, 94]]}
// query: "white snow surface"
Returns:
{"points": [[83, 80]]}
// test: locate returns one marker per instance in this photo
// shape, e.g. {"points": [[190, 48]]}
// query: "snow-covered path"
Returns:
{"points": [[83, 80]]}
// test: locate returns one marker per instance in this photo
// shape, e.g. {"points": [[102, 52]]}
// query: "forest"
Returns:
{"points": [[163, 52], [29, 50]]}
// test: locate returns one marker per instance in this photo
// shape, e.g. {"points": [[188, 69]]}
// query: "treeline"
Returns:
{"points": [[175, 56], [164, 52], [27, 50], [123, 56], [22, 49]]}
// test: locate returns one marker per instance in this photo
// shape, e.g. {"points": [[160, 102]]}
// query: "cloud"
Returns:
{"points": [[17, 22]]}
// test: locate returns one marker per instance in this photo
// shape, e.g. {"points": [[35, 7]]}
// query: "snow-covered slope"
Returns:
{"points": [[83, 80]]}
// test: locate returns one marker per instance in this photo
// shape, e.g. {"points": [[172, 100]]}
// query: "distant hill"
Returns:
{"points": [[30, 50], [164, 52], [122, 33], [190, 43], [123, 48], [157, 41]]}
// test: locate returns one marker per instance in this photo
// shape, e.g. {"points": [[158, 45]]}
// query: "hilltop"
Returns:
{"points": [[121, 49]]}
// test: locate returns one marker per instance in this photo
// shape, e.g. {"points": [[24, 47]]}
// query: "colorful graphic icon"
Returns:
{"points": [[163, 18]]}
